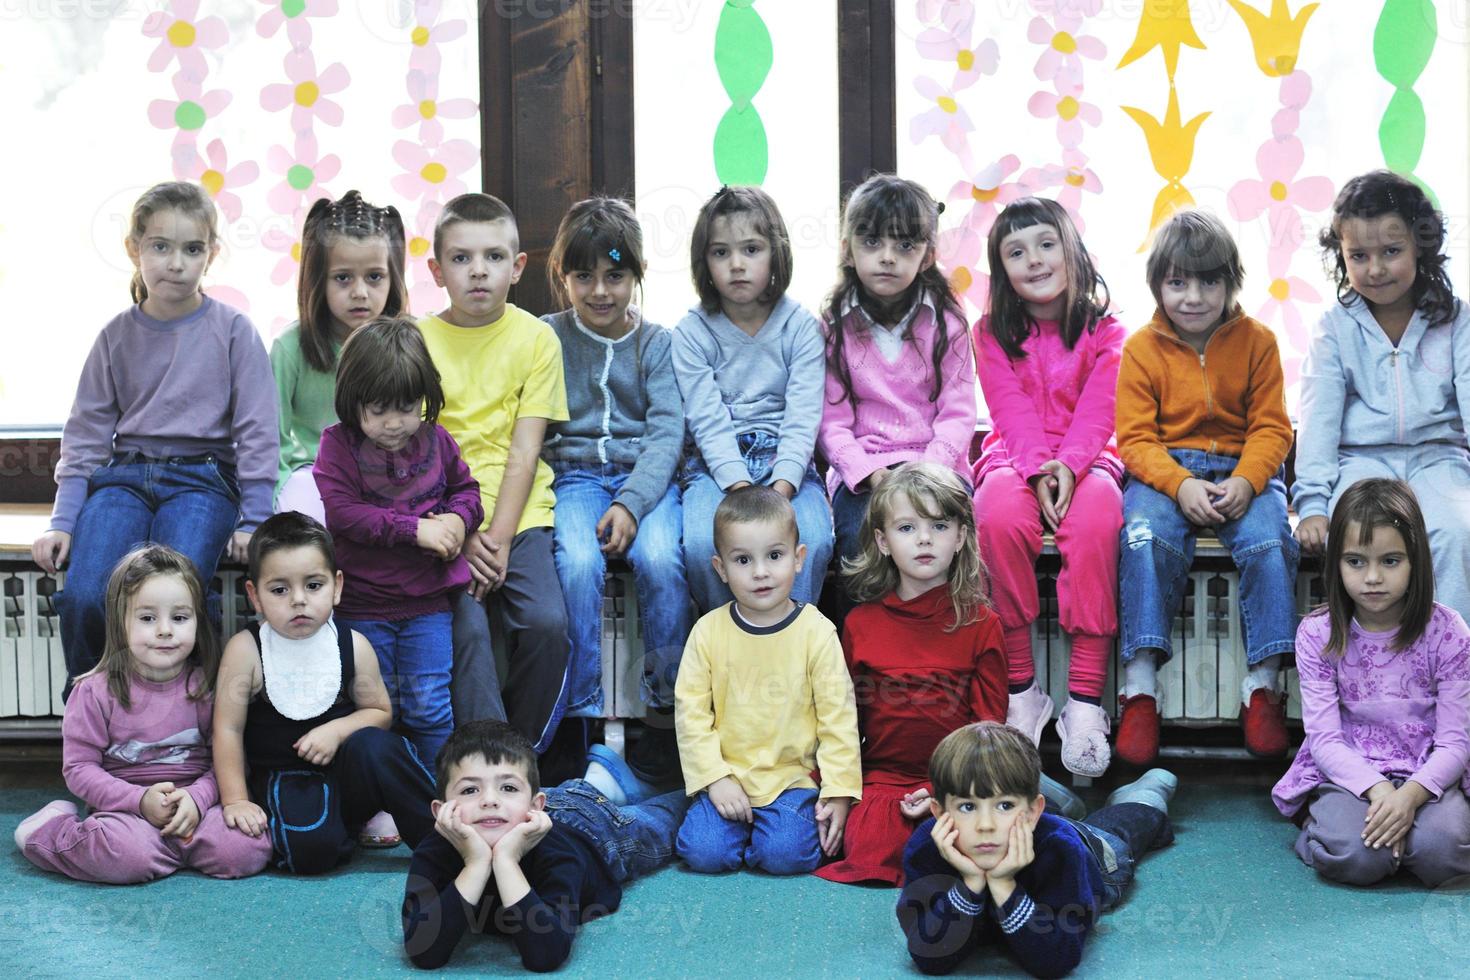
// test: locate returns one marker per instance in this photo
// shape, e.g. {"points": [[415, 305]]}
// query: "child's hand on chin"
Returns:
{"points": [[465, 838], [945, 834], [523, 837]]}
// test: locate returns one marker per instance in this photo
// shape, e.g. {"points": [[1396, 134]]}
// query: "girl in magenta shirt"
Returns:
{"points": [[1048, 357], [399, 500], [1385, 675], [900, 372]]}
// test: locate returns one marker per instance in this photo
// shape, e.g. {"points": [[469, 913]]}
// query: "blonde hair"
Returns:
{"points": [[175, 195], [936, 492], [127, 578]]}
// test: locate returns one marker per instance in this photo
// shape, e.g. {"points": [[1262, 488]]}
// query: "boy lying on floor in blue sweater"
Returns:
{"points": [[529, 865], [992, 868]]}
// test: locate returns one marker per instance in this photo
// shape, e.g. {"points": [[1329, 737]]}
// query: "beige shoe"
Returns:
{"points": [[1029, 712], [1084, 730]]}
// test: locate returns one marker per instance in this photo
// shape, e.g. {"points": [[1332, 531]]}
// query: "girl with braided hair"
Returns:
{"points": [[352, 270]]}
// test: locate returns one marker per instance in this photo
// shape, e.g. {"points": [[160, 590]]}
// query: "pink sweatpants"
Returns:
{"points": [[124, 848], [1009, 520]]}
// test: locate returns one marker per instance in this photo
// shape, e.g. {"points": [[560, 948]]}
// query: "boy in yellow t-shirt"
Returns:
{"points": [[501, 370], [763, 699]]}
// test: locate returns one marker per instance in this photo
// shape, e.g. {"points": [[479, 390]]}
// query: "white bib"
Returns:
{"points": [[302, 677]]}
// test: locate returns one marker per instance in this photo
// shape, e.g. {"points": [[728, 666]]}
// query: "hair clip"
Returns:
{"points": [[615, 255], [939, 207]]}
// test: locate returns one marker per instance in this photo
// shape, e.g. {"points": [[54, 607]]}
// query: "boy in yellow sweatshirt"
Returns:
{"points": [[763, 699], [1203, 431]]}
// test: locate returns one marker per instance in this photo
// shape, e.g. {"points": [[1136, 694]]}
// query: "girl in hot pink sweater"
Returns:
{"points": [[900, 369], [1048, 365]]}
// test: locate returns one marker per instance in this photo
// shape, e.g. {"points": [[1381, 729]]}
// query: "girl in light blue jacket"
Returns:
{"points": [[1386, 384]]}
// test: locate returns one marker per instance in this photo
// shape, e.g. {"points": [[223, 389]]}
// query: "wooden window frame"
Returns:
{"points": [[556, 110]]}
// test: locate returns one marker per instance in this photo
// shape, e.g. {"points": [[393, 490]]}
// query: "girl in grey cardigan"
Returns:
{"points": [[614, 464]]}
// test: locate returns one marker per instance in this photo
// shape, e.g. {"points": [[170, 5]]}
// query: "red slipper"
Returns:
{"points": [[1264, 721], [1138, 730]]}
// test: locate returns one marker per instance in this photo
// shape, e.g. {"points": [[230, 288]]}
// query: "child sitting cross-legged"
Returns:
{"points": [[762, 701], [993, 868], [301, 749], [529, 865]]}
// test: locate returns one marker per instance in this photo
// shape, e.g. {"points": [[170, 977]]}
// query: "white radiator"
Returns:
{"points": [[1201, 685]]}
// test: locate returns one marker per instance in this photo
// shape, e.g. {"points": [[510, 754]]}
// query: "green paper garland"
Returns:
{"points": [[1403, 42], [743, 57]]}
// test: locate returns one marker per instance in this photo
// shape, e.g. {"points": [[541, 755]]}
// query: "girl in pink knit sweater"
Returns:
{"points": [[900, 369], [1048, 356]]}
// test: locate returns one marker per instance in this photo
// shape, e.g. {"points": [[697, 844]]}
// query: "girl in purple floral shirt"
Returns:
{"points": [[1385, 679]]}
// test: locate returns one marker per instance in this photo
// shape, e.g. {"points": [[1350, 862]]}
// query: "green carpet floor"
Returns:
{"points": [[1227, 900]]}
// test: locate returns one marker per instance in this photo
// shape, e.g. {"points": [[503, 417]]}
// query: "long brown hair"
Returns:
{"points": [[1381, 192], [888, 206], [938, 493], [179, 195], [127, 578], [347, 217], [1371, 504], [1087, 297]]}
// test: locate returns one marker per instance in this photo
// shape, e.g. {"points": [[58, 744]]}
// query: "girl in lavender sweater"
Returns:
{"points": [[1385, 672], [900, 372], [172, 437], [134, 743], [399, 500]]}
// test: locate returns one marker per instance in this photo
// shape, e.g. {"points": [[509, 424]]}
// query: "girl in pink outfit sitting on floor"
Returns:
{"points": [[1379, 784], [1047, 357], [900, 371], [135, 742]]}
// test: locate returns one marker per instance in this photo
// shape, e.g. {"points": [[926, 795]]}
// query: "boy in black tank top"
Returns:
{"points": [[301, 747]]}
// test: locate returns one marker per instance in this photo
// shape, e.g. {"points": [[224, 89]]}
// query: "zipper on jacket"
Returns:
{"points": [[1398, 390], [1204, 377]]}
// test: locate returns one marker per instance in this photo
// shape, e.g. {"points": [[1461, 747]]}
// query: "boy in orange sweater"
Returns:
{"points": [[1203, 430]]}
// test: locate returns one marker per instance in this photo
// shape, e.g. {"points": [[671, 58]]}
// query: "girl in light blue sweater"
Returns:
{"points": [[614, 464], [751, 364], [1386, 384]]}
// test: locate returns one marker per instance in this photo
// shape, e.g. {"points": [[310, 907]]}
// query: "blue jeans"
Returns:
{"points": [[1126, 832], [634, 840], [782, 840], [414, 656], [1157, 549], [583, 495], [702, 495], [190, 505], [848, 511]]}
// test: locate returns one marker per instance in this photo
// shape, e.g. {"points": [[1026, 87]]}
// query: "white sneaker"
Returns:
{"points": [[1084, 730], [1029, 712], [40, 818]]}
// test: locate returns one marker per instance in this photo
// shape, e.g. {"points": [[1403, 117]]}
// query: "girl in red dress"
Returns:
{"points": [[925, 654]]}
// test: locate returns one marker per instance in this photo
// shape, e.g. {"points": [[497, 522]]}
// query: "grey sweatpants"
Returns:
{"points": [[1436, 849]]}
